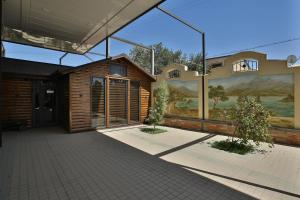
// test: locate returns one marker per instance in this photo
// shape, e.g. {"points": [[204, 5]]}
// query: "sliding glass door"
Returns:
{"points": [[98, 102]]}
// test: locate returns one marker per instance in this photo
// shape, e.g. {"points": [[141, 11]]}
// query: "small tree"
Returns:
{"points": [[157, 112], [252, 121]]}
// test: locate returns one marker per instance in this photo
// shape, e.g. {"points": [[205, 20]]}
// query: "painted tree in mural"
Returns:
{"points": [[164, 56], [157, 112], [217, 94]]}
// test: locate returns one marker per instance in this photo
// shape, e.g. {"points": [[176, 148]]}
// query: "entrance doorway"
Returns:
{"points": [[118, 98], [44, 103]]}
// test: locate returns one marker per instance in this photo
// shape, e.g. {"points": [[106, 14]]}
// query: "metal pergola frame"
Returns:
{"points": [[204, 70], [107, 51]]}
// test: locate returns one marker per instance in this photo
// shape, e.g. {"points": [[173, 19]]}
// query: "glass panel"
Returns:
{"points": [[134, 101], [98, 102], [118, 102], [117, 70]]}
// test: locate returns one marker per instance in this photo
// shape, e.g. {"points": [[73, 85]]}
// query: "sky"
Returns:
{"points": [[230, 25]]}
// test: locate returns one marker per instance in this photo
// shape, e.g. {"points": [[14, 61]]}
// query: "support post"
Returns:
{"points": [[107, 113], [152, 62], [203, 76], [107, 48], [1, 75]]}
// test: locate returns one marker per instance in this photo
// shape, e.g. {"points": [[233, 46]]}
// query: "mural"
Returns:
{"points": [[183, 99], [275, 92]]}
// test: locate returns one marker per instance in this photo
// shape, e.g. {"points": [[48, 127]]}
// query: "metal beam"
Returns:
{"points": [[60, 59], [204, 70], [88, 57], [179, 19], [130, 42], [141, 46], [94, 53]]}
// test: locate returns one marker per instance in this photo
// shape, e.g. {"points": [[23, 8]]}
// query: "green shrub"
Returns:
{"points": [[233, 147], [252, 121], [157, 112]]}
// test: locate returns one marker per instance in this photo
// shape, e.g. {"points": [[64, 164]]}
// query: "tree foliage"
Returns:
{"points": [[252, 121], [164, 56], [217, 94], [156, 113]]}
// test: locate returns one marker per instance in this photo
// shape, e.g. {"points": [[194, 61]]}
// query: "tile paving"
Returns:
{"points": [[50, 164]]}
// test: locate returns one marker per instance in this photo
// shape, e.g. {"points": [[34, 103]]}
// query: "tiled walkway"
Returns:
{"points": [[49, 164], [267, 174]]}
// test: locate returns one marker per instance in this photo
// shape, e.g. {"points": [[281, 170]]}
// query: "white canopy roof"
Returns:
{"points": [[68, 25]]}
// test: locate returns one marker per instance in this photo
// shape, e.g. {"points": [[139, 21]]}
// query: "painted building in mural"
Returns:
{"points": [[271, 82]]}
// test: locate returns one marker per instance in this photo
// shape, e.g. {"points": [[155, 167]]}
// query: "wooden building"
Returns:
{"points": [[105, 93]]}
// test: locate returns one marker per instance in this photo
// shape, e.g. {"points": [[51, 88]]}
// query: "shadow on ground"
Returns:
{"points": [[49, 164]]}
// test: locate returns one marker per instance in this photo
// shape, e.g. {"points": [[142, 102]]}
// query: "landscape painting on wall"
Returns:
{"points": [[274, 92], [183, 98]]}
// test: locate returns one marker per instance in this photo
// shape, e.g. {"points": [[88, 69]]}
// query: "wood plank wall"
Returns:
{"points": [[16, 100], [80, 92]]}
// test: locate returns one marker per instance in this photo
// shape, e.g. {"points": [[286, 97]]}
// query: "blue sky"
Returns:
{"points": [[229, 25]]}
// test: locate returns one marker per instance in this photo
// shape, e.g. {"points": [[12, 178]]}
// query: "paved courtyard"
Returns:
{"points": [[266, 174], [50, 164]]}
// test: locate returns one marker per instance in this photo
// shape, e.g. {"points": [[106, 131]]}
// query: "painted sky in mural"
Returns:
{"points": [[275, 92]]}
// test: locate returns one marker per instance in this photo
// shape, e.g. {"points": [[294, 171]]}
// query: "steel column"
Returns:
{"points": [[1, 74], [152, 62], [107, 48], [203, 76]]}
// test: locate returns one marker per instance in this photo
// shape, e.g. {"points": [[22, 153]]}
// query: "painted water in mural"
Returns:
{"points": [[183, 99], [274, 92]]}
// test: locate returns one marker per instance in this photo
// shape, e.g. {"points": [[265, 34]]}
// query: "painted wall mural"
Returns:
{"points": [[275, 92], [183, 99]]}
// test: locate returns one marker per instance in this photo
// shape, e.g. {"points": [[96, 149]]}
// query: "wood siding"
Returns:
{"points": [[16, 100], [134, 101], [80, 92]]}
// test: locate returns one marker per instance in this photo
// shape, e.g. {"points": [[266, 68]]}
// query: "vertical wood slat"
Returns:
{"points": [[107, 113], [17, 100], [70, 105], [140, 103], [128, 102]]}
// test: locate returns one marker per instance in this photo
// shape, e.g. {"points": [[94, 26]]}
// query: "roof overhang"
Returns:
{"points": [[68, 25]]}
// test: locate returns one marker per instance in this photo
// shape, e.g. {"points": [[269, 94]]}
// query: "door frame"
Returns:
{"points": [[33, 118]]}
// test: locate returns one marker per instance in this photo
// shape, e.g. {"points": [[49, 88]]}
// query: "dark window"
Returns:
{"points": [[117, 70], [174, 74], [215, 65]]}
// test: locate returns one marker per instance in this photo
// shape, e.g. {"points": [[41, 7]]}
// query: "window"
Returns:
{"points": [[117, 70], [174, 74], [245, 65], [215, 65]]}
